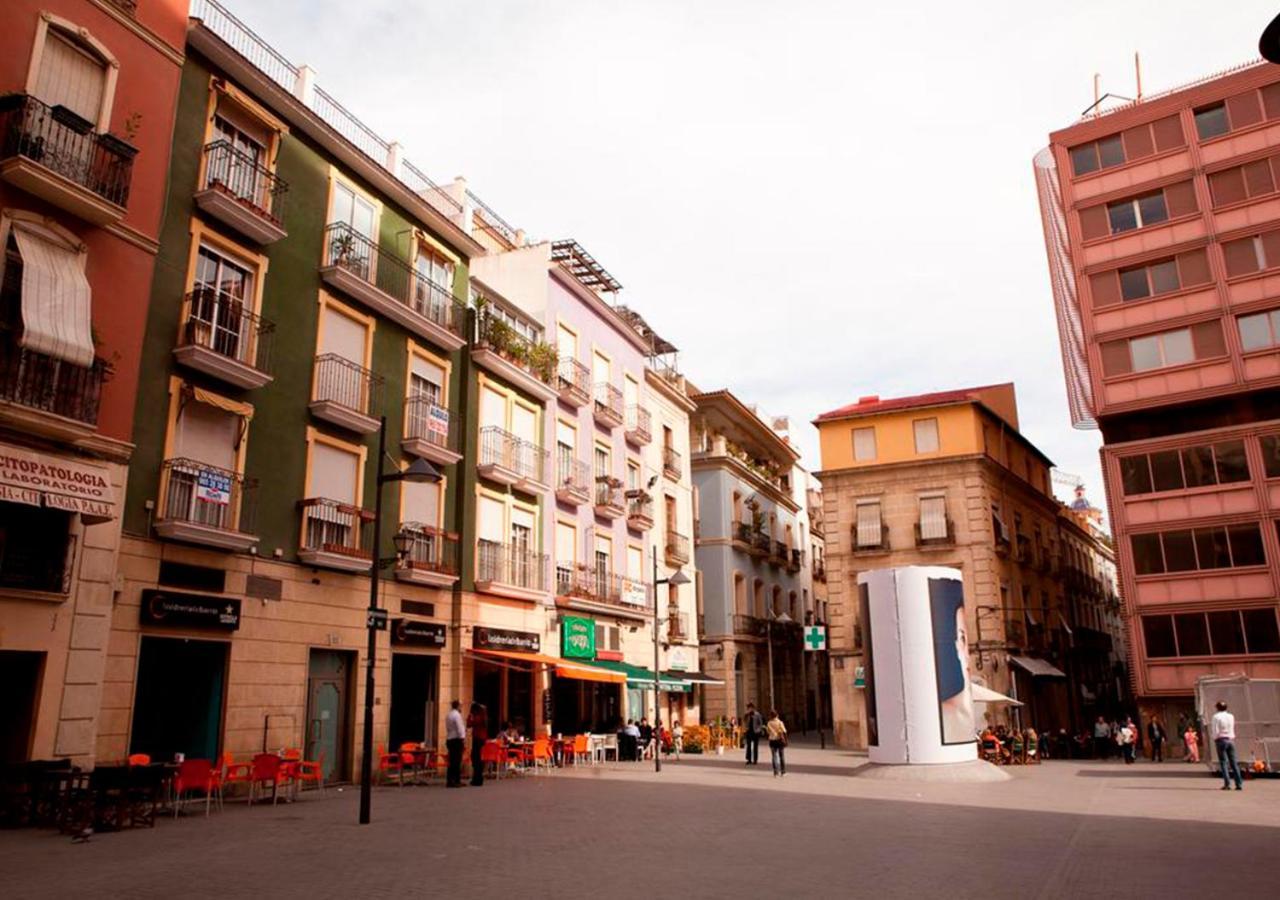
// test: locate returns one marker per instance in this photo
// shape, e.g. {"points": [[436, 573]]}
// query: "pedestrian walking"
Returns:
{"points": [[777, 732], [753, 724], [1222, 728], [1156, 735], [1126, 738], [677, 738], [478, 723], [1101, 738], [455, 738], [1191, 740]]}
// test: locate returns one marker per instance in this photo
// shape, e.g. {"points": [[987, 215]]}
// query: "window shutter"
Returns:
{"points": [[1270, 249], [421, 504], [1244, 110], [1138, 143], [1271, 100], [1115, 358], [1193, 267], [1180, 199], [1105, 288], [1227, 187], [333, 473], [869, 531], [343, 336], [933, 518], [1094, 222], [70, 77], [1257, 177], [1207, 339], [1240, 257], [208, 435], [1168, 133]]}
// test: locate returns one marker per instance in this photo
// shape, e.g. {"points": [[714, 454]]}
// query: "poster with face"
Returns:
{"points": [[951, 660], [868, 665]]}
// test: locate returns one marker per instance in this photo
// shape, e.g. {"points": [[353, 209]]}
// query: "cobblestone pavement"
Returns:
{"points": [[708, 827]]}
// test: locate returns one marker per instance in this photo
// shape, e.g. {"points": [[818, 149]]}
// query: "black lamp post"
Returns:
{"points": [[677, 578], [420, 471]]}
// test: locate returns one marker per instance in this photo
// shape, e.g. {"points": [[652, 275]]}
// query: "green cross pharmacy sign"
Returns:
{"points": [[815, 637], [578, 638]]}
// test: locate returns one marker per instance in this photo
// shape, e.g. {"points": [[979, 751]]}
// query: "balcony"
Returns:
{"points": [[761, 544], [935, 533], [671, 463], [778, 554], [678, 628], [432, 557], [510, 571], [870, 538], [429, 432], [820, 570], [53, 153], [346, 394], [242, 194], [639, 510], [203, 504], [638, 432], [532, 366], [609, 503], [50, 397], [388, 285], [507, 459], [334, 535], [592, 590], [795, 561], [1022, 549], [741, 537], [748, 626], [573, 479], [574, 380], [608, 405], [677, 549], [222, 338]]}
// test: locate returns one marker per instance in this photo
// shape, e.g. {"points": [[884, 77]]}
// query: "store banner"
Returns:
{"points": [[502, 639], [578, 637], [410, 632], [62, 483], [176, 610], [634, 593]]}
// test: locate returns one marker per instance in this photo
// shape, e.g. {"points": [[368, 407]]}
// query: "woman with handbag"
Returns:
{"points": [[777, 743]]}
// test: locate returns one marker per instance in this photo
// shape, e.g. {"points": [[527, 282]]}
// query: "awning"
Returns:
{"points": [[217, 401], [693, 677], [565, 668], [1037, 667], [640, 677], [589, 673], [986, 695], [55, 296]]}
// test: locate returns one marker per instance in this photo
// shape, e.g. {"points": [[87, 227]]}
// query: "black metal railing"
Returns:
{"points": [[503, 449], [430, 548], [935, 535], [671, 461], [742, 533], [869, 538], [330, 526], [608, 403], [511, 564], [638, 424], [341, 381], [677, 547], [426, 420], [45, 383], [222, 323], [201, 494], [796, 560], [348, 249], [599, 586], [64, 143], [244, 178], [574, 379], [761, 543]]}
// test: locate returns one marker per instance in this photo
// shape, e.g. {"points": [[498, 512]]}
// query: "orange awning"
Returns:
{"points": [[563, 668], [590, 673]]}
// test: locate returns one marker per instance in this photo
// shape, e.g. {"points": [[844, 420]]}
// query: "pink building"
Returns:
{"points": [[1162, 224]]}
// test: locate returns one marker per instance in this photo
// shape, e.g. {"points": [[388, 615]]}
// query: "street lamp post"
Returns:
{"points": [[419, 471], [677, 578], [768, 631]]}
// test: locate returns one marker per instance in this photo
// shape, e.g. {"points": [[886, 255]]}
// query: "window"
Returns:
{"points": [[869, 530], [1231, 632], [566, 556], [347, 207], [1211, 121], [1120, 216], [205, 446], [1126, 215], [1220, 547], [1157, 634], [864, 444], [757, 599], [1151, 279], [222, 294], [1254, 179], [1247, 255], [334, 471], [47, 299], [36, 548], [926, 434], [1168, 348], [1173, 470], [740, 594], [1260, 330], [434, 267], [1270, 444], [1135, 143], [933, 517], [73, 75], [1102, 154]]}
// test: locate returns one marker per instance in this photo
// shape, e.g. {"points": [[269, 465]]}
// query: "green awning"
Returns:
{"points": [[640, 677]]}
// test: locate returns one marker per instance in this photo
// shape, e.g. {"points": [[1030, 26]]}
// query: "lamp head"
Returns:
{"points": [[403, 541], [420, 472], [678, 577], [783, 618]]}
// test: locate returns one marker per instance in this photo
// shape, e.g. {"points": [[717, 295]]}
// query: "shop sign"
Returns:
{"points": [[578, 637], [66, 484], [815, 638], [859, 677], [411, 632], [175, 610], [502, 639], [633, 592], [213, 487], [679, 659], [609, 655]]}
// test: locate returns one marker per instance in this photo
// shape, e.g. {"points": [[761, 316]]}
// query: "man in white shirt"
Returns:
{"points": [[1222, 728], [455, 739]]}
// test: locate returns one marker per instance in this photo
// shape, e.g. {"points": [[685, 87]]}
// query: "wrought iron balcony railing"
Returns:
{"points": [[671, 462], [574, 381], [431, 548], [573, 476], [245, 179], [510, 565], [220, 322], [597, 586], [503, 449], [345, 383], [677, 548], [48, 384], [330, 526], [200, 494], [638, 427], [428, 421], [608, 404]]}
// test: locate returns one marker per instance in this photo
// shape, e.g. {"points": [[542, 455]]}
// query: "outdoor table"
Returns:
{"points": [[559, 746]]}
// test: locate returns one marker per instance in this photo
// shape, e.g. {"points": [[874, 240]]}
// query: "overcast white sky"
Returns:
{"points": [[813, 200]]}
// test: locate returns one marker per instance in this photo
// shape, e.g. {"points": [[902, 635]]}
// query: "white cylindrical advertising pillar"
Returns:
{"points": [[916, 662]]}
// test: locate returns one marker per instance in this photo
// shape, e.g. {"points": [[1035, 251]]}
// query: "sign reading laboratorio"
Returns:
{"points": [[502, 639], [56, 482], [176, 610], [578, 637]]}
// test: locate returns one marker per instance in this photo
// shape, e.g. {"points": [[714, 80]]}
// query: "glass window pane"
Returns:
{"points": [[1111, 151], [1177, 347], [1084, 159], [1157, 634], [1193, 634], [1225, 632], [1246, 545], [1123, 216], [1261, 630], [1254, 332], [1231, 462], [1133, 284], [1166, 471], [1270, 454], [1164, 277], [1211, 548], [1153, 209], [1197, 466], [1179, 551], [1135, 475], [1211, 121], [1145, 353], [1146, 554]]}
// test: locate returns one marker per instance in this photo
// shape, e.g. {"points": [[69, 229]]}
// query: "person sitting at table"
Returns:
{"points": [[629, 741], [646, 737]]}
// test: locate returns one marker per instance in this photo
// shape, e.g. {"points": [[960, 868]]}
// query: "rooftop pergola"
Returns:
{"points": [[583, 266]]}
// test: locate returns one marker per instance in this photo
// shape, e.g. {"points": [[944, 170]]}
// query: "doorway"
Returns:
{"points": [[20, 673], [414, 699], [328, 711], [178, 701]]}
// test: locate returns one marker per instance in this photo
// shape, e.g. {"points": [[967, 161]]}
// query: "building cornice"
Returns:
{"points": [[677, 397], [709, 461], [173, 54], [597, 305]]}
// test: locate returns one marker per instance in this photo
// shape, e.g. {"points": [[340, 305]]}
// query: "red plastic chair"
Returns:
{"points": [[390, 764], [194, 775], [581, 748], [231, 773], [266, 768], [540, 755], [306, 771], [493, 753]]}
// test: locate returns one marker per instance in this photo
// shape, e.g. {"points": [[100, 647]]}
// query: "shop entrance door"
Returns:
{"points": [[20, 675], [487, 691], [328, 711], [177, 705], [414, 698]]}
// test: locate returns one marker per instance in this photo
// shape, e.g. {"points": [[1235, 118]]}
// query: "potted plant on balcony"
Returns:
{"points": [[342, 249], [544, 360]]}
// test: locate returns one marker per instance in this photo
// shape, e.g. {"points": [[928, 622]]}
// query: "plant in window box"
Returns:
{"points": [[342, 250], [497, 334], [71, 119], [517, 350], [544, 360]]}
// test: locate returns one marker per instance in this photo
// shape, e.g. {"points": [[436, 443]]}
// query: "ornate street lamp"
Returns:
{"points": [[677, 578]]}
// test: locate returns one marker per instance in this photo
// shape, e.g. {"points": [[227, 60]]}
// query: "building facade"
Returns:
{"points": [[947, 479], [89, 92], [1162, 220]]}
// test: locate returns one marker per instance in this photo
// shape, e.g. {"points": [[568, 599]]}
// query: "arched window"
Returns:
{"points": [[792, 610], [775, 605], [71, 68], [757, 599], [740, 595]]}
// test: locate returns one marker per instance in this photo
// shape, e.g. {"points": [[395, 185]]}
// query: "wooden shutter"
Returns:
{"points": [[69, 76], [1257, 178], [1271, 100], [1094, 222], [1244, 110], [1207, 339], [1105, 288], [1180, 199], [1115, 358], [1227, 187], [1240, 257], [1193, 267], [1168, 133], [1138, 142]]}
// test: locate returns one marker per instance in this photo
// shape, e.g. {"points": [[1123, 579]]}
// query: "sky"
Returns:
{"points": [[815, 201]]}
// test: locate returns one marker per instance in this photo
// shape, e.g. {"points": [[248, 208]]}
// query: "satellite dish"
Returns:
{"points": [[1269, 43]]}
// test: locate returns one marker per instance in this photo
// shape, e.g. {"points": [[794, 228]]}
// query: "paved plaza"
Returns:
{"points": [[707, 827]]}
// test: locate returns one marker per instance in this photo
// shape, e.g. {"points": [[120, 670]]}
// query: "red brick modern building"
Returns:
{"points": [[88, 90], [1162, 223]]}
